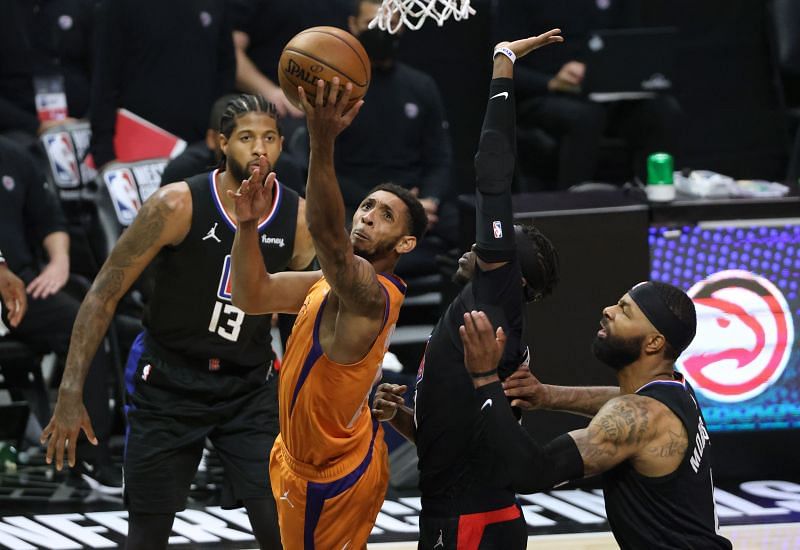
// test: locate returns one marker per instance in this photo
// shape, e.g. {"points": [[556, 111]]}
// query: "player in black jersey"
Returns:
{"points": [[202, 368], [508, 266], [647, 437]]}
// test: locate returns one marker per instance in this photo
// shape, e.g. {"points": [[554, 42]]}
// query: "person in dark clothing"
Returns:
{"points": [[400, 136], [14, 299], [49, 41], [508, 266], [260, 31], [204, 155], [647, 437], [30, 215], [550, 100], [202, 368], [166, 62]]}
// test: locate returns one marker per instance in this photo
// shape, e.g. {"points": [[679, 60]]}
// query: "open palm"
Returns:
{"points": [[525, 46]]}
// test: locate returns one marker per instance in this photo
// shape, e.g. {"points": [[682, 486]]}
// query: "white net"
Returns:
{"points": [[394, 14]]}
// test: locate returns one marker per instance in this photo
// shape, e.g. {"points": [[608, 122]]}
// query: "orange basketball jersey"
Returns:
{"points": [[330, 452]]}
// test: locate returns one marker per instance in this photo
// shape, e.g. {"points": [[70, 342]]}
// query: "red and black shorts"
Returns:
{"points": [[499, 529]]}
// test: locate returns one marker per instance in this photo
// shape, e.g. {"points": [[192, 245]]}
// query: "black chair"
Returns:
{"points": [[21, 370]]}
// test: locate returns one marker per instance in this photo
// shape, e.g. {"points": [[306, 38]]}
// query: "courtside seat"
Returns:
{"points": [[21, 371]]}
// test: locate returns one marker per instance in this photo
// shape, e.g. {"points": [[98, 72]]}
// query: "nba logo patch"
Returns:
{"points": [[8, 183], [497, 228], [63, 159], [124, 194], [146, 372], [213, 364]]}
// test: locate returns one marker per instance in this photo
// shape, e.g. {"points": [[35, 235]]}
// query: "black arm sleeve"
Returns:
{"points": [[531, 467], [494, 171]]}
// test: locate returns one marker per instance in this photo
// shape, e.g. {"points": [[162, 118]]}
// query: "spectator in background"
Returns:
{"points": [[549, 97], [50, 41], [203, 156], [164, 61], [400, 136], [30, 214], [12, 292], [261, 30]]}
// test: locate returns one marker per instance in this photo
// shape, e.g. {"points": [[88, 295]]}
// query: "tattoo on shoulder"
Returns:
{"points": [[626, 421]]}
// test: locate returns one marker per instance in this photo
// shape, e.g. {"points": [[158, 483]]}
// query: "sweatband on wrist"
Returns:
{"points": [[506, 52], [2, 259], [483, 374]]}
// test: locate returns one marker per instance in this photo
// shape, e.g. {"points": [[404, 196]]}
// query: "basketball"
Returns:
{"points": [[322, 53]]}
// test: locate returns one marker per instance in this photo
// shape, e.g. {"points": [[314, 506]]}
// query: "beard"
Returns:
{"points": [[241, 172], [238, 171], [616, 352], [381, 250]]}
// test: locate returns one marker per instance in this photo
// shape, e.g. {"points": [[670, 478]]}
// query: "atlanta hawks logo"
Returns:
{"points": [[744, 336]]}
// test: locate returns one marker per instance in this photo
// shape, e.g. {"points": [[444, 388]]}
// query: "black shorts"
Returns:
{"points": [[502, 529], [173, 407]]}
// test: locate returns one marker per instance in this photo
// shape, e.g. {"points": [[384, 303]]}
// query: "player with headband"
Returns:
{"points": [[647, 438]]}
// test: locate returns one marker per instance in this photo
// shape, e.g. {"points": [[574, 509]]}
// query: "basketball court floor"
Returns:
{"points": [[40, 509]]}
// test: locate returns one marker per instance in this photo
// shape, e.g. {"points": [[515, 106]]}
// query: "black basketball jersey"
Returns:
{"points": [[190, 310], [452, 462], [672, 511]]}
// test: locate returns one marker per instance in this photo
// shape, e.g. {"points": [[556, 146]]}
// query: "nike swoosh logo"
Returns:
{"points": [[504, 95], [487, 403]]}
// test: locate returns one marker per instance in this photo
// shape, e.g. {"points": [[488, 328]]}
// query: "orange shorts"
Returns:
{"points": [[332, 515]]}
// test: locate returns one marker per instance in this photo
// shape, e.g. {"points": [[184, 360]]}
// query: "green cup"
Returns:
{"points": [[659, 169]]}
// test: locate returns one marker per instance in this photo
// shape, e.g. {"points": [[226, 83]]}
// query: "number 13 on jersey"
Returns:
{"points": [[226, 319]]}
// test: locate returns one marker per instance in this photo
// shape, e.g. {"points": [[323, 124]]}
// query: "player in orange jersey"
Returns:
{"points": [[329, 468]]}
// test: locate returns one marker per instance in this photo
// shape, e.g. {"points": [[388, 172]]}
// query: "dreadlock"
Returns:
{"points": [[239, 106], [548, 258]]}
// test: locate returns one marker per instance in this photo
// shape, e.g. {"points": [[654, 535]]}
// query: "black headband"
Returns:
{"points": [[667, 323]]}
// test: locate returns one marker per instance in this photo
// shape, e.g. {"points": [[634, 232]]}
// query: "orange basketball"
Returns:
{"points": [[322, 53]]}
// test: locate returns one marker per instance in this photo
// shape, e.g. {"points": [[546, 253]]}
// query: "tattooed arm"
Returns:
{"points": [[526, 392], [356, 291], [163, 220], [622, 428]]}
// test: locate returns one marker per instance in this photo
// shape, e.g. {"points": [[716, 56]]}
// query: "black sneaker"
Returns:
{"points": [[103, 478]]}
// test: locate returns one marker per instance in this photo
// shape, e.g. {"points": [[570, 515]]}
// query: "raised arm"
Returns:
{"points": [[494, 162], [163, 220], [352, 278], [253, 289]]}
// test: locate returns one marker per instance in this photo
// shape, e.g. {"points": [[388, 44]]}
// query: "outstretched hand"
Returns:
{"points": [[524, 46], [483, 346], [525, 390], [254, 196], [330, 114]]}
